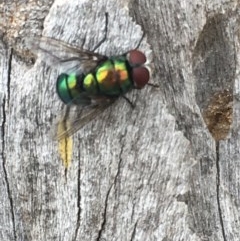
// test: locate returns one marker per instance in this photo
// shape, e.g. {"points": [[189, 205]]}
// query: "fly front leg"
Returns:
{"points": [[129, 101]]}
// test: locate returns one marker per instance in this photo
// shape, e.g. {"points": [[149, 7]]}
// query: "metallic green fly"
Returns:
{"points": [[91, 80]]}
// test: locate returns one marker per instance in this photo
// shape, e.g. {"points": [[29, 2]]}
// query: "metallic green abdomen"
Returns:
{"points": [[68, 88], [111, 79]]}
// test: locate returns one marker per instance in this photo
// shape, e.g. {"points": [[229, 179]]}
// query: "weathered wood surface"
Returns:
{"points": [[152, 173]]}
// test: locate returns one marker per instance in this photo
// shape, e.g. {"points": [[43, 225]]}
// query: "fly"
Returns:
{"points": [[90, 80]]}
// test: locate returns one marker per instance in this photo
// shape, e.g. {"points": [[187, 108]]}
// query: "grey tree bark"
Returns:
{"points": [[166, 170]]}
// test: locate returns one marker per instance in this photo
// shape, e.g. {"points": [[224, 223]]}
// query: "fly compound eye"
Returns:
{"points": [[136, 57], [140, 76]]}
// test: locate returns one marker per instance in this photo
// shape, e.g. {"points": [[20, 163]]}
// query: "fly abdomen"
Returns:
{"points": [[90, 84], [69, 88]]}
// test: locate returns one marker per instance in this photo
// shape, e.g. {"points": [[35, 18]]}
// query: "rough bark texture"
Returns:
{"points": [[166, 170]]}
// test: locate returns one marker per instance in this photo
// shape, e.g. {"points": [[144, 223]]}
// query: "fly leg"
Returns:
{"points": [[140, 41], [129, 101], [153, 85], [105, 35]]}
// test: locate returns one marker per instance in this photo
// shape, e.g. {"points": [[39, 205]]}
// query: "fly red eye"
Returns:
{"points": [[140, 76], [136, 57]]}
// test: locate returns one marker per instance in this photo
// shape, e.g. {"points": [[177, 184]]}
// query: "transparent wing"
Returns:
{"points": [[59, 54], [75, 120]]}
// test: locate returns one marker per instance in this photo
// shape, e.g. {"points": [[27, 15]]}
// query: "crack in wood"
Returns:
{"points": [[218, 192], [119, 167], [4, 108], [9, 74], [107, 196], [78, 202], [134, 232], [104, 215]]}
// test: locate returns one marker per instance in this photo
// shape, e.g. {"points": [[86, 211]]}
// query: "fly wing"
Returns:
{"points": [[59, 54], [75, 120]]}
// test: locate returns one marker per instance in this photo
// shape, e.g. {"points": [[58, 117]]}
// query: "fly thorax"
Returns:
{"points": [[111, 76], [123, 76]]}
